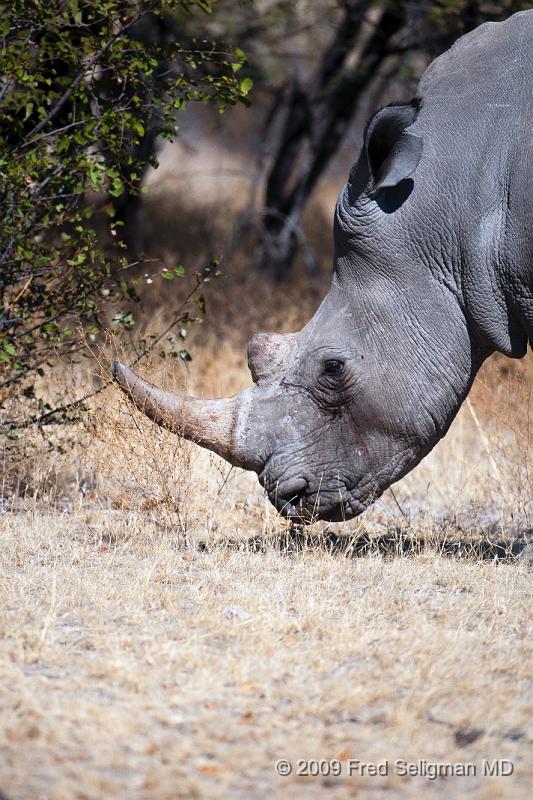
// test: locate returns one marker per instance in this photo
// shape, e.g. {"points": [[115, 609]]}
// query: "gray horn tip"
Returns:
{"points": [[123, 375]]}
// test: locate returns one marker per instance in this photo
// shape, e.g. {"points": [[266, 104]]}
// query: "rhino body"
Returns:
{"points": [[433, 272]]}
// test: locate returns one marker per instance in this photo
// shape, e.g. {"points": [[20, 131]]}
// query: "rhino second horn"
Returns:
{"points": [[209, 423], [269, 354]]}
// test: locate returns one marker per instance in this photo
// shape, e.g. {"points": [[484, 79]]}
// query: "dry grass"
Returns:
{"points": [[122, 675]]}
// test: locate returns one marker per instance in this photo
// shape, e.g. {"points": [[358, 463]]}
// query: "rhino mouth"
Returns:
{"points": [[312, 508], [295, 500]]}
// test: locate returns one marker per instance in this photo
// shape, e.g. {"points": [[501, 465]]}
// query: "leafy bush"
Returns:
{"points": [[86, 88]]}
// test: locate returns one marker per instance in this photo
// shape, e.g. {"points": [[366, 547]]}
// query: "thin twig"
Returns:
{"points": [[53, 133], [42, 419], [402, 512]]}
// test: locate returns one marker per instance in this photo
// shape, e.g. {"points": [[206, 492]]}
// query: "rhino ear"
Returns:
{"points": [[392, 154]]}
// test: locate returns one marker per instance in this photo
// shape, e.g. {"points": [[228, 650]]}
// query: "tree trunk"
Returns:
{"points": [[317, 116]]}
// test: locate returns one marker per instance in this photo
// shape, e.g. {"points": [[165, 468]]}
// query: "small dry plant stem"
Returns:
{"points": [[486, 442], [49, 616]]}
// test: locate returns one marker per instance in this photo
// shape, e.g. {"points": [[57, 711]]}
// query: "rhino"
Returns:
{"points": [[433, 273]]}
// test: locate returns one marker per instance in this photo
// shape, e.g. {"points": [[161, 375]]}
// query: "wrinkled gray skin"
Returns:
{"points": [[433, 272]]}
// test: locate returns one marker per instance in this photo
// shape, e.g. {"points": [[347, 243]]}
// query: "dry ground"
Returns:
{"points": [[163, 636], [124, 674]]}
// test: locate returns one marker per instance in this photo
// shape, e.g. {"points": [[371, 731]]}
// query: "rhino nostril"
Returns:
{"points": [[291, 490]]}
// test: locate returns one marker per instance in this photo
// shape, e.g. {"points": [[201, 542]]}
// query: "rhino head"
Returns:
{"points": [[349, 404]]}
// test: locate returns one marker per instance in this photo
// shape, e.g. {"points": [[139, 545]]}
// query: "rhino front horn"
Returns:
{"points": [[213, 424]]}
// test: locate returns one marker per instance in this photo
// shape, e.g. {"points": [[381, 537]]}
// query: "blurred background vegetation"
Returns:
{"points": [[148, 147]]}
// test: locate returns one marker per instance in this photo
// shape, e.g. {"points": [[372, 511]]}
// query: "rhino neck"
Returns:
{"points": [[476, 176], [497, 284]]}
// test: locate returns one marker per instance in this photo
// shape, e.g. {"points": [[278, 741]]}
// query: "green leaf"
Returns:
{"points": [[125, 319], [116, 188], [246, 85], [8, 347], [138, 127]]}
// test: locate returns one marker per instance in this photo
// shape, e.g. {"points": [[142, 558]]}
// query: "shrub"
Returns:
{"points": [[86, 90]]}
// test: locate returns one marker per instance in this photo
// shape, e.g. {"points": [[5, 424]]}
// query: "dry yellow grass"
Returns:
{"points": [[122, 675]]}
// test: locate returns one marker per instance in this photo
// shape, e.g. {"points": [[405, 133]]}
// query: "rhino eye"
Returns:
{"points": [[333, 367]]}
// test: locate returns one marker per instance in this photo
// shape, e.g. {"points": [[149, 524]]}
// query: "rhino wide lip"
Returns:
{"points": [[309, 506], [309, 509], [346, 503]]}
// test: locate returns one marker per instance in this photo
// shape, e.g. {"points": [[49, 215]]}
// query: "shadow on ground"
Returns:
{"points": [[396, 542]]}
